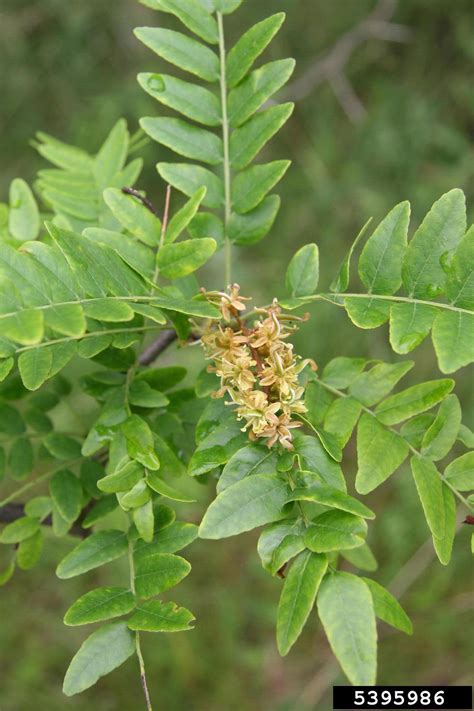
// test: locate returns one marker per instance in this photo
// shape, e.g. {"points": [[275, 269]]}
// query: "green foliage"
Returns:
{"points": [[95, 280]]}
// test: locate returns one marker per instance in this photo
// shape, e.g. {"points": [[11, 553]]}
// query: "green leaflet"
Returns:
{"points": [[254, 225], [412, 401], [333, 498], [273, 537], [190, 178], [346, 611], [246, 98], [379, 453], [298, 597], [440, 232], [182, 51], [429, 487], [368, 311], [341, 280], [34, 366], [335, 530], [134, 216], [252, 459], [302, 274], [164, 489], [361, 557], [62, 446], [444, 546], [313, 457], [250, 46], [194, 16], [136, 255], [443, 432], [140, 443], [452, 339], [184, 138], [123, 479], [460, 279], [172, 538], [105, 650], [112, 155], [100, 604], [20, 458], [317, 400], [144, 520], [250, 187], [23, 217], [249, 503], [341, 371], [409, 325], [371, 386], [66, 493], [102, 508], [247, 141], [157, 616], [19, 530], [193, 101], [157, 572], [380, 263], [183, 258], [183, 217], [387, 608], [98, 549], [108, 310], [138, 496], [460, 472], [341, 417], [29, 551]]}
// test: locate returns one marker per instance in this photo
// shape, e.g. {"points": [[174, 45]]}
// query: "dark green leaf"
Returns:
{"points": [[100, 604]]}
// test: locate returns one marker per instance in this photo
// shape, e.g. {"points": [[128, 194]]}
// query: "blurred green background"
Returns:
{"points": [[69, 69]]}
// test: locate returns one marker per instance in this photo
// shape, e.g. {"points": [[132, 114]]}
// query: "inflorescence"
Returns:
{"points": [[257, 367]]}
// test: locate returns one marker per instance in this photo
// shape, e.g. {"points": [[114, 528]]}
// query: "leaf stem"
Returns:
{"points": [[225, 141], [37, 481], [138, 648], [412, 449]]}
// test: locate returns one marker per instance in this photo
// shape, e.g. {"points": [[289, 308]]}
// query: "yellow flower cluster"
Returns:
{"points": [[257, 367]]}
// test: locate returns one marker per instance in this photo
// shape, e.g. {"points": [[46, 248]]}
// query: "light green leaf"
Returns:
{"points": [[140, 444], [138, 496], [429, 487], [67, 319], [19, 530], [341, 371], [100, 604], [157, 572], [102, 508], [346, 611], [193, 101], [252, 502], [34, 366], [105, 650], [123, 479], [108, 310], [157, 616], [415, 429], [246, 98], [150, 312], [250, 187], [412, 401], [23, 216], [387, 608], [453, 334], [254, 225], [361, 557], [25, 327], [380, 264], [335, 530], [409, 325], [368, 311], [61, 154], [190, 178], [134, 216], [298, 597], [112, 155], [460, 281], [379, 453], [252, 459], [466, 436], [341, 418], [166, 490], [183, 258], [66, 493], [94, 551], [135, 254], [39, 507], [172, 538], [444, 546], [192, 15], [6, 366], [302, 275], [250, 46], [442, 434], [29, 551], [246, 142], [184, 138], [183, 217], [371, 386], [182, 51], [460, 472], [333, 498], [341, 280], [439, 233], [144, 520]]}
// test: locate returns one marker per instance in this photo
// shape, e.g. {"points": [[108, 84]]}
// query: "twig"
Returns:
{"points": [[331, 66], [143, 200], [14, 511], [165, 339]]}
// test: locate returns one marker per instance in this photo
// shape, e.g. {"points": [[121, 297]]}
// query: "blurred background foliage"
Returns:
{"points": [[69, 69]]}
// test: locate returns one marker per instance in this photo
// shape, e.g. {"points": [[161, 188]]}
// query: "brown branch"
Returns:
{"points": [[13, 512], [166, 338], [331, 66]]}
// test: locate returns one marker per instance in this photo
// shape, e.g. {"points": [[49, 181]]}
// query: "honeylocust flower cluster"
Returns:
{"points": [[257, 367]]}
